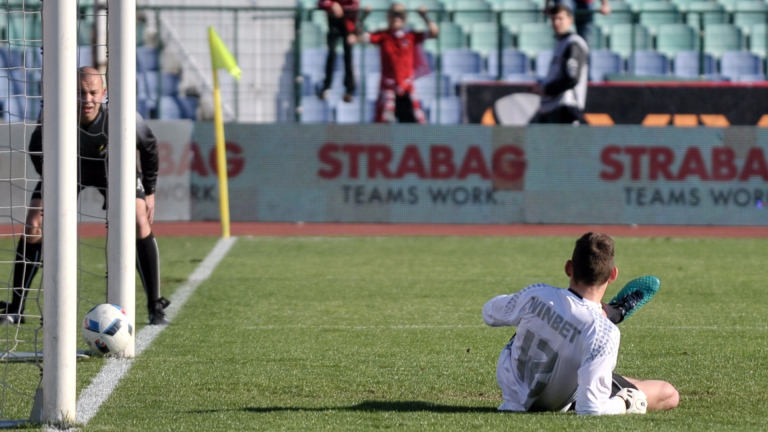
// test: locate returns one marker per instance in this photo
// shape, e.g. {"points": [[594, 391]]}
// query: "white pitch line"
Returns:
{"points": [[114, 370], [460, 326]]}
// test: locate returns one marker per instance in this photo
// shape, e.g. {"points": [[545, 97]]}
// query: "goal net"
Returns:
{"points": [[22, 369]]}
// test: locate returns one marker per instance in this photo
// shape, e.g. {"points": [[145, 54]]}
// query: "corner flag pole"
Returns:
{"points": [[221, 58]]}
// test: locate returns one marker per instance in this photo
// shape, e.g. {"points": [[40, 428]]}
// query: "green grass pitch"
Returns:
{"points": [[350, 334]]}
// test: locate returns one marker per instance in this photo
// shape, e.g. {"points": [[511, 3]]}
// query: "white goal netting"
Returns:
{"points": [[21, 69]]}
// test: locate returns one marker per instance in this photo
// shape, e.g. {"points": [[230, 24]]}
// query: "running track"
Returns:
{"points": [[162, 229]]}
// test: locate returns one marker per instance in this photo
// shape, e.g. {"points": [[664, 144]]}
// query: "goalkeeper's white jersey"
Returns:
{"points": [[564, 350]]}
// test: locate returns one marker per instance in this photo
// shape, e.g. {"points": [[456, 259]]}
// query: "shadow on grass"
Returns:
{"points": [[368, 406]]}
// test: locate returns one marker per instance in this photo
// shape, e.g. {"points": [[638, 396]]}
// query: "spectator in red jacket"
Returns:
{"points": [[402, 61], [342, 18]]}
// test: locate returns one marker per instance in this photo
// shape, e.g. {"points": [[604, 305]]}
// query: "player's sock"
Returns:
{"points": [[24, 270], [613, 313], [634, 295], [148, 264]]}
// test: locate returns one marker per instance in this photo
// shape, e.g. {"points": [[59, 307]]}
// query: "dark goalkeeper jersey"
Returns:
{"points": [[92, 148]]}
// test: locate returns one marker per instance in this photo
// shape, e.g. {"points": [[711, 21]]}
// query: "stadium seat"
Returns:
{"points": [[749, 13], [675, 37], [365, 60], [535, 37], [596, 38], [682, 5], [739, 63], [34, 82], [621, 13], [33, 58], [729, 5], [686, 64], [320, 18], [602, 63], [312, 36], [14, 57], [146, 59], [372, 83], [169, 108], [719, 38], [475, 77], [648, 63], [459, 62], [337, 89], [314, 110], [516, 12], [520, 78], [142, 107], [189, 107], [313, 62], [757, 40], [655, 13], [350, 112], [447, 110], [26, 26], [435, 12], [427, 86], [451, 36], [484, 38], [750, 78], [543, 59], [468, 12], [84, 56], [621, 39], [705, 12], [512, 62]]}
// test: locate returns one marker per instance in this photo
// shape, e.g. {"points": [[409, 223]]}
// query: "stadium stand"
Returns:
{"points": [[655, 13], [703, 13], [737, 64], [648, 63], [449, 111], [602, 63], [517, 12], [350, 112], [535, 37], [621, 39], [749, 13], [686, 64], [468, 12], [314, 110], [461, 61], [672, 38], [719, 38], [427, 86], [484, 38], [543, 59], [451, 36], [757, 40], [513, 62]]}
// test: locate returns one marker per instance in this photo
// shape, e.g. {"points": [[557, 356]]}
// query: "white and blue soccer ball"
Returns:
{"points": [[107, 330]]}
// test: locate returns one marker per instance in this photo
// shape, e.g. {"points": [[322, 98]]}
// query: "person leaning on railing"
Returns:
{"points": [[342, 17], [402, 61]]}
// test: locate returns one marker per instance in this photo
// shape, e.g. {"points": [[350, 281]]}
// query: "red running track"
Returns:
{"points": [[162, 229]]}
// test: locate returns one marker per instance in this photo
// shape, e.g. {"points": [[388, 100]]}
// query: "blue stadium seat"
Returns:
{"points": [[370, 61], [735, 64], [687, 64], [84, 56], [427, 86], [142, 107], [445, 111], [372, 83], [15, 58], [602, 63], [314, 110], [313, 62], [461, 61], [350, 112], [543, 59], [476, 77], [750, 78], [189, 107], [520, 78], [146, 59], [169, 108], [33, 58], [648, 63], [513, 62]]}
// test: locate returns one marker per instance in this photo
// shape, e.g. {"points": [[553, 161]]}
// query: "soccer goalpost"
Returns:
{"points": [[47, 389]]}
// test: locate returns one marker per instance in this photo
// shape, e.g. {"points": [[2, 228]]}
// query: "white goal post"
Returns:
{"points": [[60, 149]]}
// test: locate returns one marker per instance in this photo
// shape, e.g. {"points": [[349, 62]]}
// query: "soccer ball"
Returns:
{"points": [[106, 330]]}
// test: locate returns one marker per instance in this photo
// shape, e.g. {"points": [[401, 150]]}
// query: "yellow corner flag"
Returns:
{"points": [[221, 58]]}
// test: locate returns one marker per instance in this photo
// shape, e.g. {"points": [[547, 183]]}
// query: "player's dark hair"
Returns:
{"points": [[559, 7], [593, 259]]}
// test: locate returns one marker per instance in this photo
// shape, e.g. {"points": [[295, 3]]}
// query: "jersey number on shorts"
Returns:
{"points": [[527, 370]]}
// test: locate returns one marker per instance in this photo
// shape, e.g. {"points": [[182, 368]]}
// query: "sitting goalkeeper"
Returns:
{"points": [[92, 171], [566, 346]]}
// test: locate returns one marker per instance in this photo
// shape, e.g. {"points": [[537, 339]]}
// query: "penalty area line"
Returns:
{"points": [[102, 386]]}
